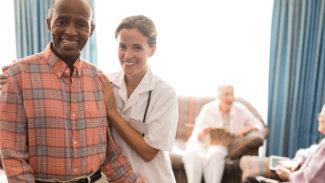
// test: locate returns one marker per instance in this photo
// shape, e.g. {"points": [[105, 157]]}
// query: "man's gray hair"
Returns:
{"points": [[222, 87]]}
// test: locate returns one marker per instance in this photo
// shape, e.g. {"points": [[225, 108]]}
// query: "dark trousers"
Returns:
{"points": [[253, 179]]}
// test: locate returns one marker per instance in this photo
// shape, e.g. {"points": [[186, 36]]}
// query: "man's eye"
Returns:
{"points": [[62, 22], [81, 25]]}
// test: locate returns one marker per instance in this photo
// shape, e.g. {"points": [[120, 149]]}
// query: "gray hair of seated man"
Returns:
{"points": [[222, 87]]}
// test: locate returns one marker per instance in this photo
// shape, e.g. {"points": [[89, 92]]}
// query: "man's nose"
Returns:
{"points": [[71, 30]]}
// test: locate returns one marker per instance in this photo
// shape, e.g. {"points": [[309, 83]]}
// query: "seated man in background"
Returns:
{"points": [[308, 165], [202, 158]]}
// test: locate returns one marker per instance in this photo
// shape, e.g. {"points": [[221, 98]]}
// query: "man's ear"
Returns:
{"points": [[92, 30], [48, 21], [153, 50]]}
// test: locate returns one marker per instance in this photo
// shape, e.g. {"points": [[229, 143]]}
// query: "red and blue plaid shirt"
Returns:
{"points": [[53, 125]]}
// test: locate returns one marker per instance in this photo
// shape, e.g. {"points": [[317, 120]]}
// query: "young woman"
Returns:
{"points": [[141, 107]]}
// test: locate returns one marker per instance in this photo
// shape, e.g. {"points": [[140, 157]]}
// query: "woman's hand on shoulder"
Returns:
{"points": [[108, 94]]}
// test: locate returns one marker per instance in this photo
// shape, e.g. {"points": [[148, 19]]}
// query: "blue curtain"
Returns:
{"points": [[90, 50], [296, 75], [31, 29]]}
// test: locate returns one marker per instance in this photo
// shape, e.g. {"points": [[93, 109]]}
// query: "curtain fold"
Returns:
{"points": [[296, 75], [31, 29], [32, 34], [89, 52]]}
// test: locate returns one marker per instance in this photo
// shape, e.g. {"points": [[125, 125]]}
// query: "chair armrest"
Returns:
{"points": [[247, 145], [256, 166]]}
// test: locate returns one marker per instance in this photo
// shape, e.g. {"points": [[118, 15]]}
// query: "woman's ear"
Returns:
{"points": [[153, 50]]}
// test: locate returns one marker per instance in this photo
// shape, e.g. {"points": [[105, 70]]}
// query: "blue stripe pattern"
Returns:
{"points": [[296, 75]]}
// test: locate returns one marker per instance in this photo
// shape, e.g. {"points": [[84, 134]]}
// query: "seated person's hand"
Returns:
{"points": [[283, 173], [221, 136], [204, 132], [291, 165], [245, 130]]}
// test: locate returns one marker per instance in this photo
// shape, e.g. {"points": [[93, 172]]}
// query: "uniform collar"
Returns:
{"points": [[59, 67], [146, 84]]}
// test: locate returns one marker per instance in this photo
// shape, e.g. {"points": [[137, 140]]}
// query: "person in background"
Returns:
{"points": [[53, 124], [202, 158], [141, 107], [308, 165]]}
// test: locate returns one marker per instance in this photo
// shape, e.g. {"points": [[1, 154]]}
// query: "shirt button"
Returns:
{"points": [[73, 115], [59, 73], [66, 71], [74, 142], [75, 170]]}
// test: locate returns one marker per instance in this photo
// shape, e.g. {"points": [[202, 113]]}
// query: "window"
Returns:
{"points": [[8, 43], [200, 45]]}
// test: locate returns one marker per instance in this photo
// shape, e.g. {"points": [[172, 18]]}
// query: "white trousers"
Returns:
{"points": [[209, 162]]}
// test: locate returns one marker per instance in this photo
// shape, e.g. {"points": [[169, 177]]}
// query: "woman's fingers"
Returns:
{"points": [[104, 80], [5, 68]]}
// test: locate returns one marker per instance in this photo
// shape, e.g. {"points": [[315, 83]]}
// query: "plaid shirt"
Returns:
{"points": [[53, 125]]}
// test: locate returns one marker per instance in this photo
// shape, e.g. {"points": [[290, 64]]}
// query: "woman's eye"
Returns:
{"points": [[122, 47], [138, 48]]}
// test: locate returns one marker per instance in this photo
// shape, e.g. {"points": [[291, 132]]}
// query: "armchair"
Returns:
{"points": [[189, 108]]}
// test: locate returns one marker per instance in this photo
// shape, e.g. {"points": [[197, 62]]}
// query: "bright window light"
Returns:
{"points": [[8, 43], [201, 44]]}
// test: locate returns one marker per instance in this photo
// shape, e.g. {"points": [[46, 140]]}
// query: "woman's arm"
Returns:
{"points": [[129, 135]]}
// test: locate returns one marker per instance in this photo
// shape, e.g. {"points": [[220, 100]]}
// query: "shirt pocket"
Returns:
{"points": [[95, 125]]}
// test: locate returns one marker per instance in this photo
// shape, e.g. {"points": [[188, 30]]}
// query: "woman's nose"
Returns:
{"points": [[128, 54]]}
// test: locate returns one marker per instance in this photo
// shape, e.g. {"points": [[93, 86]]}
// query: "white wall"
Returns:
{"points": [[201, 44], [7, 31]]}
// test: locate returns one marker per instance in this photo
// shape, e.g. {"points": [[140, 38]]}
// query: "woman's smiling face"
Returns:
{"points": [[133, 52]]}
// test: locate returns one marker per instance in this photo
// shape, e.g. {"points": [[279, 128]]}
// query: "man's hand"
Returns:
{"points": [[4, 76], [141, 180], [3, 79]]}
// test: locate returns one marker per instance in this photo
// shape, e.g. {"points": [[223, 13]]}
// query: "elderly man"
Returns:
{"points": [[53, 125], [201, 158]]}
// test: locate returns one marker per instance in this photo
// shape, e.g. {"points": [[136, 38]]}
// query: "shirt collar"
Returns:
{"points": [[232, 111], [59, 67], [146, 84]]}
